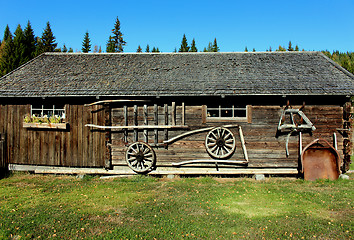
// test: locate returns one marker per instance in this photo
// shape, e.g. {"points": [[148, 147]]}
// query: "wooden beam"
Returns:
{"points": [[216, 161], [114, 101], [138, 127], [242, 139], [125, 170]]}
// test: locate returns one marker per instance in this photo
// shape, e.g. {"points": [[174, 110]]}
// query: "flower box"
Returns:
{"points": [[46, 125]]}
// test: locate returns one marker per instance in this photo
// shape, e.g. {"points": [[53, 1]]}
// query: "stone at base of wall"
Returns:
{"points": [[343, 176], [259, 177]]}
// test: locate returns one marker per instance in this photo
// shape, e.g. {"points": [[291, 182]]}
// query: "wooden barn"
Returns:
{"points": [[173, 113]]}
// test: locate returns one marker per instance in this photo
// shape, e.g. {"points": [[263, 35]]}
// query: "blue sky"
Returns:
{"points": [[311, 24]]}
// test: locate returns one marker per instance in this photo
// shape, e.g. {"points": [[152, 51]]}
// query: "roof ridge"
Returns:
{"points": [[179, 53]]}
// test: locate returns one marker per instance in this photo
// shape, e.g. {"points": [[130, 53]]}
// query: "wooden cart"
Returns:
{"points": [[140, 156]]}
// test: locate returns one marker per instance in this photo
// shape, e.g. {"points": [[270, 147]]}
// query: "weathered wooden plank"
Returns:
{"points": [[156, 122], [166, 121], [173, 114], [146, 137]]}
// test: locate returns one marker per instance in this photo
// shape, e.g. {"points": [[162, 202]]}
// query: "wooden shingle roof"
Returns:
{"points": [[178, 74]]}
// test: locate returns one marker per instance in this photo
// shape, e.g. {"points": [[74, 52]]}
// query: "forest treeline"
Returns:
{"points": [[22, 46]]}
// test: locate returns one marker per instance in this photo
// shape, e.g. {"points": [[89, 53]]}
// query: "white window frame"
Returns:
{"points": [[44, 110], [233, 108]]}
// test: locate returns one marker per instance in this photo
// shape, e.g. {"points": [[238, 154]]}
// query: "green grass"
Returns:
{"points": [[36, 206]]}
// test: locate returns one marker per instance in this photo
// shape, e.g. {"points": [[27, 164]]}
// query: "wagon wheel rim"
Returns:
{"points": [[220, 143], [140, 157]]}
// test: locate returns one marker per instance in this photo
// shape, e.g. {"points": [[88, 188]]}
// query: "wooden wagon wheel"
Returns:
{"points": [[220, 143], [140, 157]]}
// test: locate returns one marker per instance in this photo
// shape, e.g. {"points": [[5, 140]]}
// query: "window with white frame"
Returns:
{"points": [[57, 111], [226, 112]]}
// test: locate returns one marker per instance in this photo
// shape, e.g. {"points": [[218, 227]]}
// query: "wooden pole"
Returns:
{"points": [[156, 121], [136, 133], [183, 114], [173, 114], [125, 113], [108, 138], [166, 122], [146, 137]]}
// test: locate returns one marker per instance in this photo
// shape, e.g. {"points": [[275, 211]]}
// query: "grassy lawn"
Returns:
{"points": [[36, 206]]}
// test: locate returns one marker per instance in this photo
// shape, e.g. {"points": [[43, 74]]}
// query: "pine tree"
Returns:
{"points": [[290, 47], [7, 53], [30, 42], [7, 33], [253, 50], [281, 49], [110, 45], [147, 49], [296, 48], [246, 49], [139, 50], [209, 48], [86, 45], [64, 49], [47, 43], [184, 45], [215, 47], [19, 47], [193, 47], [153, 49], [116, 42]]}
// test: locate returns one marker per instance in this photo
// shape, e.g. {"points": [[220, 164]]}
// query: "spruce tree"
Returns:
{"points": [[116, 42], [296, 48], [193, 47], [47, 43], [147, 49], [246, 49], [290, 47], [7, 33], [86, 45], [64, 49], [7, 53], [139, 50], [153, 49], [215, 47], [110, 45], [209, 48], [184, 45], [30, 42], [19, 47]]}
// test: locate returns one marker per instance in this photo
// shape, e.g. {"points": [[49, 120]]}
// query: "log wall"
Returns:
{"points": [[81, 146], [77, 146]]}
